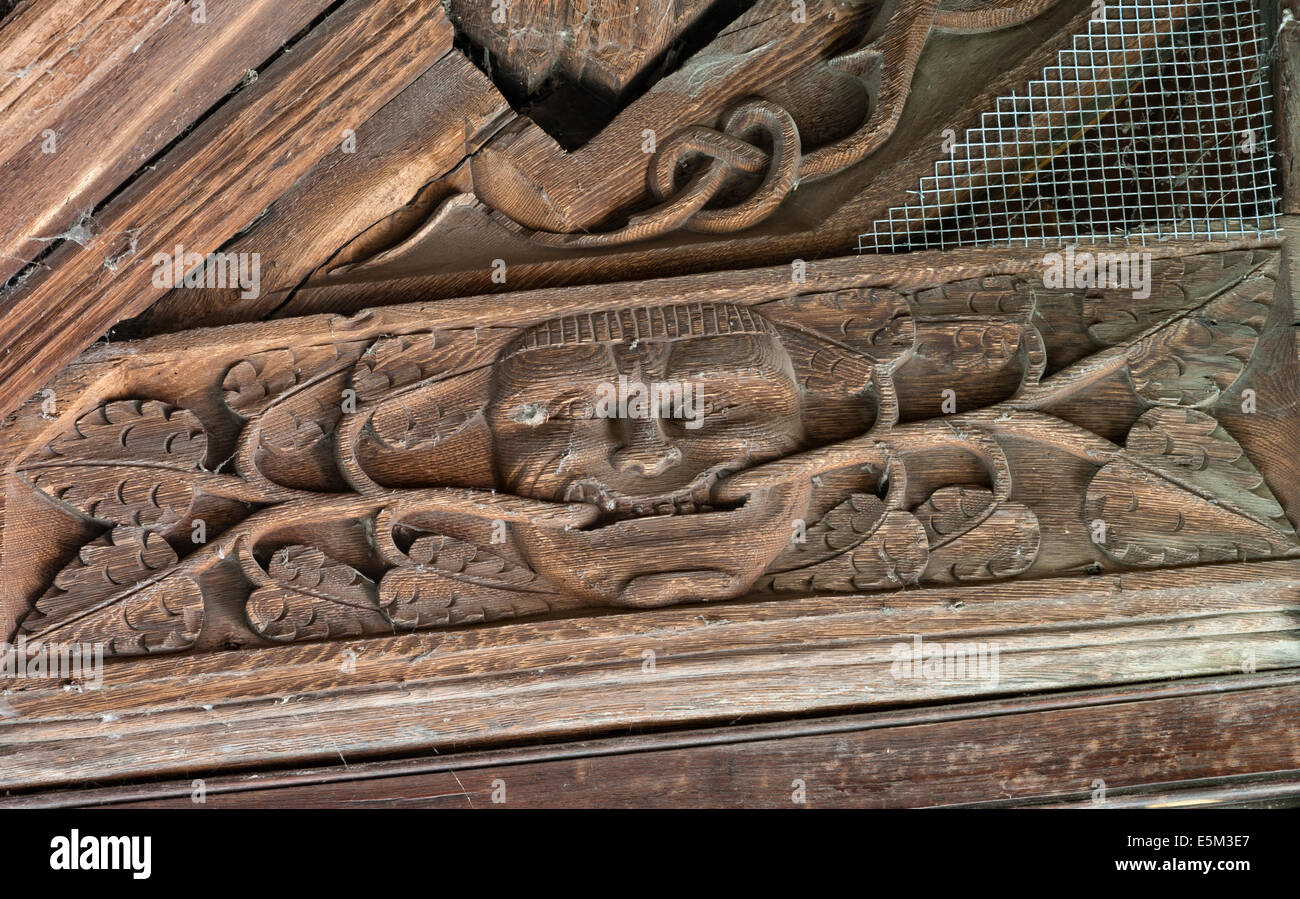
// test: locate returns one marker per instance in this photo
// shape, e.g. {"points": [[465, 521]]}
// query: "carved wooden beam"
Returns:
{"points": [[431, 465], [457, 519]]}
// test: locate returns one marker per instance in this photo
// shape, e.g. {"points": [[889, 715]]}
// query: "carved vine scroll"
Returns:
{"points": [[857, 440]]}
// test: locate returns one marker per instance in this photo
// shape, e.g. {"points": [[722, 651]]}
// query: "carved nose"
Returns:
{"points": [[644, 449]]}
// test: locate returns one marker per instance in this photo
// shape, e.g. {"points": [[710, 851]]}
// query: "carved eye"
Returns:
{"points": [[531, 414]]}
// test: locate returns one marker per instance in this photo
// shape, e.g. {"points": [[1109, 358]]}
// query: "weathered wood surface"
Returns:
{"points": [[598, 45], [469, 250], [959, 77], [399, 470], [972, 456], [564, 679], [1225, 740], [348, 205], [90, 92], [1287, 103], [216, 180]]}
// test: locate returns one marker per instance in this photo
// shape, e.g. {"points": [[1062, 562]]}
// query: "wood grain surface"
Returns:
{"points": [[348, 205], [948, 531], [1287, 103], [1193, 743], [216, 180], [90, 93], [572, 678]]}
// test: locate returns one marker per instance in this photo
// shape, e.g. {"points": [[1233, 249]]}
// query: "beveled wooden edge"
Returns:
{"points": [[759, 754], [692, 666], [103, 365], [748, 286]]}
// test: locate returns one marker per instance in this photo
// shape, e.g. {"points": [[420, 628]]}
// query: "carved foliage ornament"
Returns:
{"points": [[870, 439]]}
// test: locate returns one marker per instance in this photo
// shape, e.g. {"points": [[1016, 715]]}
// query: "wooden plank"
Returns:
{"points": [[578, 677], [1287, 103], [91, 92], [217, 180], [1022, 751], [330, 215], [72, 472]]}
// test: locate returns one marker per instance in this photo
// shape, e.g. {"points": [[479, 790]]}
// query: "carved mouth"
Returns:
{"points": [[694, 502]]}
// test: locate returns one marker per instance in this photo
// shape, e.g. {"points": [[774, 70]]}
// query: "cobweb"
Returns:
{"points": [[1155, 125]]}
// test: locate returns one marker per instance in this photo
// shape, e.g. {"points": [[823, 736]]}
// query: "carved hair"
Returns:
{"points": [[649, 323]]}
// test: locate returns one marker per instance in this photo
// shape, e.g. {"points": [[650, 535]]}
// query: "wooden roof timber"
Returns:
{"points": [[91, 92], [214, 181]]}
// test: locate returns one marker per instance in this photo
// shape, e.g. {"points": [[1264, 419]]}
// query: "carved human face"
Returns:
{"points": [[644, 430]]}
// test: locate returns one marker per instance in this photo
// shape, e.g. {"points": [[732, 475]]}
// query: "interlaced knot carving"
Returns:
{"points": [[731, 149]]}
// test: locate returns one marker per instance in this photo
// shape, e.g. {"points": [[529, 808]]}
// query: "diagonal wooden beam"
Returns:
{"points": [[91, 92], [216, 181]]}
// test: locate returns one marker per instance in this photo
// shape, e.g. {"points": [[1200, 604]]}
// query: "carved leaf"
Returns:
{"points": [[131, 463], [1194, 360], [431, 414], [873, 326], [456, 582], [969, 346], [391, 363], [857, 545], [843, 527], [992, 295], [1194, 449], [295, 399], [306, 595], [1112, 316], [952, 511], [253, 384], [122, 590], [468, 560], [1186, 493], [970, 541]]}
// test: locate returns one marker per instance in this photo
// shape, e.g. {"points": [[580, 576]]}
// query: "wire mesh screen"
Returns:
{"points": [[1155, 124]]}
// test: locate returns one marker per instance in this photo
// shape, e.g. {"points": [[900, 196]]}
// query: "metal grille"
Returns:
{"points": [[1154, 125]]}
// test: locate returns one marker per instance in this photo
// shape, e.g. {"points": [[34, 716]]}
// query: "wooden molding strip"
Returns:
{"points": [[1287, 103], [217, 180], [850, 760], [562, 679]]}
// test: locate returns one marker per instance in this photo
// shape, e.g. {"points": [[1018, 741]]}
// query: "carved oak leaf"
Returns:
{"points": [[1192, 361], [122, 590], [452, 581], [1185, 493], [431, 413], [995, 296], [133, 462], [876, 325], [255, 383], [392, 363], [1194, 449], [293, 399], [959, 346], [857, 545], [1112, 316], [306, 595], [971, 539]]}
